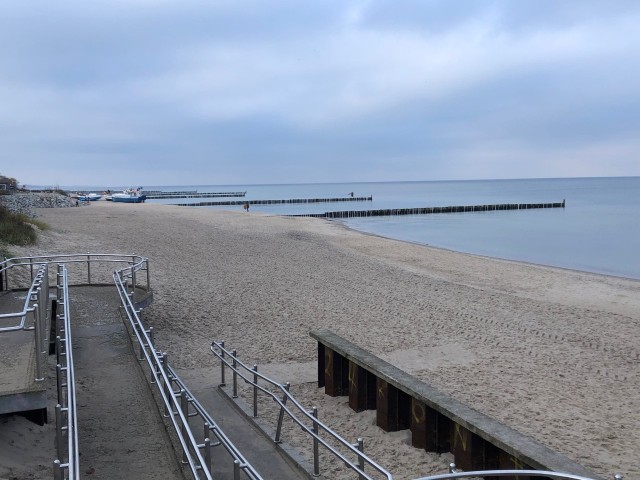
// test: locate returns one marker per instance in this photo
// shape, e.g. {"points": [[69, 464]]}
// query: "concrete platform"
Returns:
{"points": [[19, 390]]}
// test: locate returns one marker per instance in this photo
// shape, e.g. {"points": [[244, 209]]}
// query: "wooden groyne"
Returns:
{"points": [[168, 195], [162, 192], [432, 210], [276, 202]]}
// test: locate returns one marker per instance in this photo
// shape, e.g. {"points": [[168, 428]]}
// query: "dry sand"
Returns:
{"points": [[553, 353]]}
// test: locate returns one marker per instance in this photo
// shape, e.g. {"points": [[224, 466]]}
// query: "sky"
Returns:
{"points": [[159, 92]]}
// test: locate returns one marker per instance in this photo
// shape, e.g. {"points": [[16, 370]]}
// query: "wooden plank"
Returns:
{"points": [[357, 388], [336, 376]]}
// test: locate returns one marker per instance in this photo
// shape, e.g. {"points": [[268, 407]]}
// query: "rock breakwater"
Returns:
{"points": [[26, 203]]}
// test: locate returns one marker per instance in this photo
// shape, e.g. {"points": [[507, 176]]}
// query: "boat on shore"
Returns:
{"points": [[91, 197], [129, 196]]}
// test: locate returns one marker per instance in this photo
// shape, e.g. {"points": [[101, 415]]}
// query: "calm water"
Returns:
{"points": [[598, 230]]}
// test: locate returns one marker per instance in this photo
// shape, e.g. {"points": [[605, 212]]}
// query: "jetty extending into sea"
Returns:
{"points": [[432, 210], [276, 202], [155, 195]]}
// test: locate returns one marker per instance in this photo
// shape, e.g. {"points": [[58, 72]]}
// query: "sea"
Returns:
{"points": [[598, 230]]}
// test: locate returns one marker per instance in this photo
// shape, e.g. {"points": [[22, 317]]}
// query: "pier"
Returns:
{"points": [[431, 210], [276, 202], [166, 195]]}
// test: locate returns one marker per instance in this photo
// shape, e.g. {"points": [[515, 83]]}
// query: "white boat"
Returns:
{"points": [[129, 196], [92, 197]]}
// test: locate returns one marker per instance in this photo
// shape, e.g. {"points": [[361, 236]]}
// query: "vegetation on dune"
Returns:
{"points": [[16, 228]]}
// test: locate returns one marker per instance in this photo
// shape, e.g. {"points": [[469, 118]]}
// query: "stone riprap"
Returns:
{"points": [[26, 203]]}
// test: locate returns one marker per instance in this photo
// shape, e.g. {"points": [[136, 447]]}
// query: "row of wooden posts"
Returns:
{"points": [[166, 195], [276, 202], [431, 210]]}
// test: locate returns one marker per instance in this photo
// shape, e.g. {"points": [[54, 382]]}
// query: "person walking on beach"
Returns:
{"points": [[246, 207]]}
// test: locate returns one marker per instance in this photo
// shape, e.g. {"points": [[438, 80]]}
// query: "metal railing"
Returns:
{"points": [[66, 464], [135, 265], [307, 420], [66, 414], [281, 395], [35, 303], [179, 402], [36, 282], [455, 474]]}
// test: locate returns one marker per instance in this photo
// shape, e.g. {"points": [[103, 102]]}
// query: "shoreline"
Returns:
{"points": [[487, 257], [538, 348]]}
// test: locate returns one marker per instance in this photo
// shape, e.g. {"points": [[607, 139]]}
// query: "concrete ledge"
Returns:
{"points": [[522, 450]]}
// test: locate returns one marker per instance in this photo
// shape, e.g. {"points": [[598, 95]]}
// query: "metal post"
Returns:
{"points": [[62, 309], [133, 274], [255, 390], [57, 470], [360, 447], [58, 347], [43, 297], [222, 381], [141, 356], [154, 367], [148, 277], [31, 268], [59, 440], [316, 457], [207, 446], [45, 312], [236, 470], [184, 405], [132, 283], [6, 277], [207, 454], [235, 375], [89, 269], [59, 381], [38, 340], [281, 414], [168, 390]]}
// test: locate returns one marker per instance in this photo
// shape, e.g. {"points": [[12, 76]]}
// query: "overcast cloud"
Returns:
{"points": [[159, 92]]}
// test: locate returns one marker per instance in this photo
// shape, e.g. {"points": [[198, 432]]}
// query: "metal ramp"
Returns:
{"points": [[110, 410]]}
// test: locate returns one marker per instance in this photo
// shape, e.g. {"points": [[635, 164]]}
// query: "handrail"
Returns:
{"points": [[236, 366], [178, 410], [36, 302], [455, 474], [135, 261], [67, 396], [185, 436], [212, 426], [35, 283], [125, 282], [508, 473]]}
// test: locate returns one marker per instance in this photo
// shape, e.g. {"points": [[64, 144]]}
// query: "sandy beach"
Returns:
{"points": [[552, 353]]}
